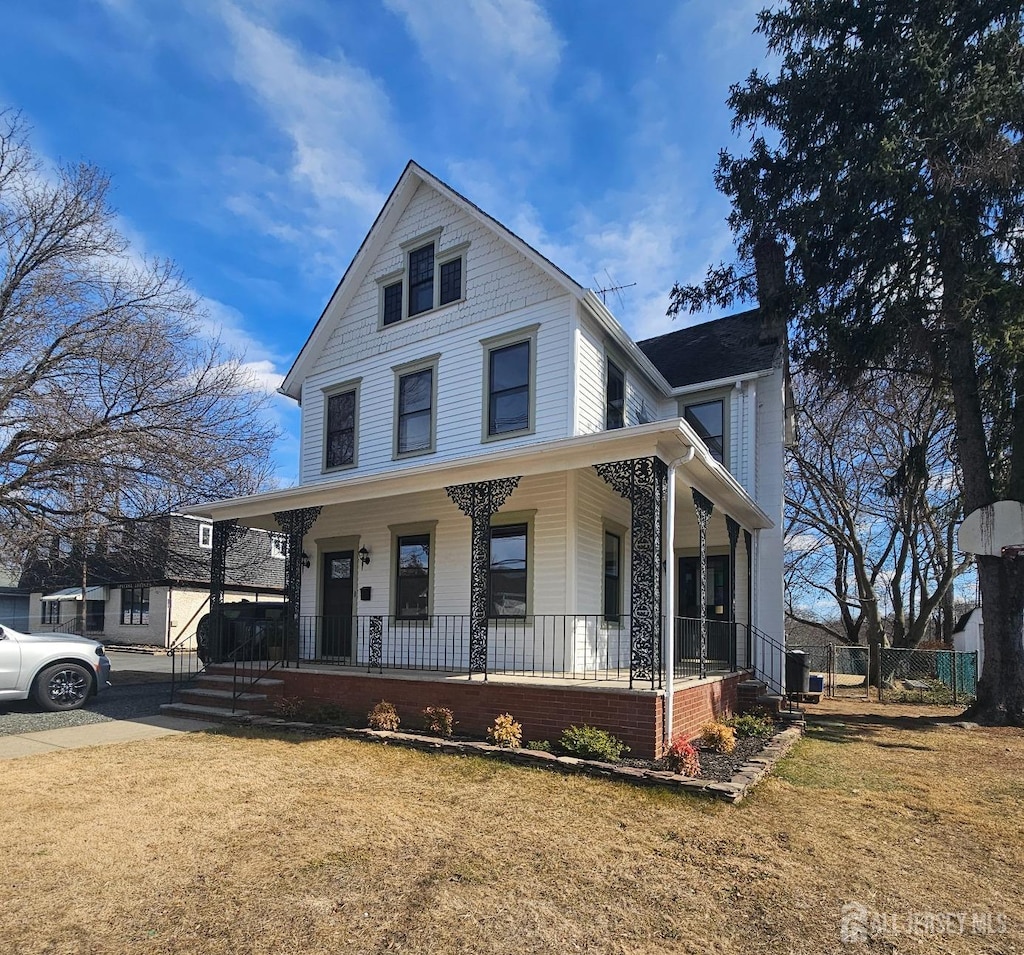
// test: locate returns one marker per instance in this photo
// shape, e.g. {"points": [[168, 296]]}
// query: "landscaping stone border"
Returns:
{"points": [[733, 791]]}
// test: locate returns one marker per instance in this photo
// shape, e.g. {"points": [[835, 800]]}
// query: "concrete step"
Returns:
{"points": [[196, 712], [219, 679], [221, 695]]}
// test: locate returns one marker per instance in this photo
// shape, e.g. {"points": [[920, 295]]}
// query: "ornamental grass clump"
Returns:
{"points": [[717, 737], [682, 758], [383, 716], [505, 732]]}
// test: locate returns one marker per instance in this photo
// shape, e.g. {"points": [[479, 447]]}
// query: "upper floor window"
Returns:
{"points": [[278, 546], [340, 437], [415, 412], [206, 536], [432, 277], [708, 420], [615, 397], [509, 383]]}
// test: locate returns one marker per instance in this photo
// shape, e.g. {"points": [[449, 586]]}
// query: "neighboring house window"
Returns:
{"points": [[412, 577], [51, 611], [507, 581], [206, 536], [341, 429], [432, 277], [278, 546], [612, 576], [134, 605], [708, 420], [508, 382], [615, 397], [415, 417]]}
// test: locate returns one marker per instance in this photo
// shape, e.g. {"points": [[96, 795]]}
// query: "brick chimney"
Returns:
{"points": [[770, 269]]}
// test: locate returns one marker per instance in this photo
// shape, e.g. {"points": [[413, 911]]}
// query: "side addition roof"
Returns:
{"points": [[730, 347]]}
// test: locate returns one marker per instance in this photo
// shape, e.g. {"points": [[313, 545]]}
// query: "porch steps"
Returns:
{"points": [[225, 696], [218, 679], [197, 712]]}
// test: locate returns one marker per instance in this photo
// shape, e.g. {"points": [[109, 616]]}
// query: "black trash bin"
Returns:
{"points": [[798, 672]]}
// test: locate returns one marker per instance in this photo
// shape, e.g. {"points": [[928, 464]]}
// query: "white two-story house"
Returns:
{"points": [[506, 504]]}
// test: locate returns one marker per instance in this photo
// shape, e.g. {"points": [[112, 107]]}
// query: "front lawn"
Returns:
{"points": [[240, 842]]}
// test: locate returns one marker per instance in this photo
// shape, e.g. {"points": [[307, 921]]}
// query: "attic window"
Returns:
{"points": [[431, 278]]}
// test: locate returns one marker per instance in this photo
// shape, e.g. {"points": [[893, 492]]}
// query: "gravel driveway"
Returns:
{"points": [[139, 687]]}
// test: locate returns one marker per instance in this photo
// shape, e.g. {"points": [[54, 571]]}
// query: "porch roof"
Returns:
{"points": [[668, 439]]}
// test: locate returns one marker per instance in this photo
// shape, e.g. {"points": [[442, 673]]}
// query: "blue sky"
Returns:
{"points": [[254, 142]]}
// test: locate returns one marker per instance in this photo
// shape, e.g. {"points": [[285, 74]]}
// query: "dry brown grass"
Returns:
{"points": [[218, 843]]}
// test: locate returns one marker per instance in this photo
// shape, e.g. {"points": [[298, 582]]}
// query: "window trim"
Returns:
{"points": [[415, 529], [206, 531], [508, 519], [496, 343], [354, 385], [442, 256], [430, 363], [707, 397]]}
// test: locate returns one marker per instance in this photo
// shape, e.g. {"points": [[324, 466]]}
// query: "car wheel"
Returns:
{"points": [[63, 686]]}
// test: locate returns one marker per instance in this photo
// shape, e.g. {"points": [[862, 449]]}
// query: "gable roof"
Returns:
{"points": [[732, 346], [387, 218]]}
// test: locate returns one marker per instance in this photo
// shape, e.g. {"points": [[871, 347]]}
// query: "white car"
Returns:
{"points": [[58, 670]]}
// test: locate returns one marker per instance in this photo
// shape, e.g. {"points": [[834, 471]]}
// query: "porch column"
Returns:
{"points": [[295, 524], [478, 502], [642, 482], [218, 575], [748, 545], [703, 508], [734, 535]]}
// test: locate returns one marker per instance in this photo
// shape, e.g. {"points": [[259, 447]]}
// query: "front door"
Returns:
{"points": [[336, 605], [717, 609]]}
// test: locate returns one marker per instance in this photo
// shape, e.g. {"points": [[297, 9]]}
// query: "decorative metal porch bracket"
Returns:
{"points": [[703, 508], [295, 524], [643, 482], [733, 528], [478, 502]]}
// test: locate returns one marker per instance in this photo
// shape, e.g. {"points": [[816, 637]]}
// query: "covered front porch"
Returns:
{"points": [[622, 560]]}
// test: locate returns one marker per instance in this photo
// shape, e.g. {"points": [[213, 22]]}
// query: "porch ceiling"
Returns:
{"points": [[670, 440]]}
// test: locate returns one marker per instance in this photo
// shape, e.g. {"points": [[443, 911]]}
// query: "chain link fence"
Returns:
{"points": [[901, 676]]}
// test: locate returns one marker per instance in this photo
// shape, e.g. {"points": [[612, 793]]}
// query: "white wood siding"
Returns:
{"points": [[504, 292]]}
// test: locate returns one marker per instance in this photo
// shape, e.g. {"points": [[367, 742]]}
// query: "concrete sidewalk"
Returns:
{"points": [[97, 734]]}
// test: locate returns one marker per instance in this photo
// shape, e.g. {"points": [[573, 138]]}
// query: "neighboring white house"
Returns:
{"points": [[496, 479], [968, 636]]}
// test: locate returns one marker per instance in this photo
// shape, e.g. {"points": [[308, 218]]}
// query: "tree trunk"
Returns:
{"points": [[1001, 688]]}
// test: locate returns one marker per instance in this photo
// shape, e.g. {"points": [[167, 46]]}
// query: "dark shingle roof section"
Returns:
{"points": [[712, 350]]}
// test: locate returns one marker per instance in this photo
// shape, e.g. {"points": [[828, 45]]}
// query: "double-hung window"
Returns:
{"points": [[507, 578], [412, 576], [708, 420], [431, 277], [51, 611], [509, 388], [206, 536], [615, 397], [340, 431], [134, 605], [415, 404], [612, 576]]}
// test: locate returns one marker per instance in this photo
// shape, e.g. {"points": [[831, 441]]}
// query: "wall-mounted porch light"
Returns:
{"points": [[305, 560], [364, 556]]}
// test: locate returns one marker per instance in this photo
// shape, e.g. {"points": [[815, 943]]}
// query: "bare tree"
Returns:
{"points": [[113, 403], [872, 506]]}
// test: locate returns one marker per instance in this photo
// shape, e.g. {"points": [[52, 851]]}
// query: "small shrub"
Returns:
{"points": [[718, 737], [439, 720], [540, 745], [683, 758], [752, 725], [505, 732], [290, 708], [588, 742], [383, 716]]}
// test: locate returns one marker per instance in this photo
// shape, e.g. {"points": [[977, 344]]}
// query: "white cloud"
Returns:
{"points": [[504, 53], [336, 115]]}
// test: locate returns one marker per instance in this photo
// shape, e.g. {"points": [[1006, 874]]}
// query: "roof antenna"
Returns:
{"points": [[612, 287]]}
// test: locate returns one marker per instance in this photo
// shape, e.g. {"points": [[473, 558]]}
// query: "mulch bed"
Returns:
{"points": [[720, 767]]}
